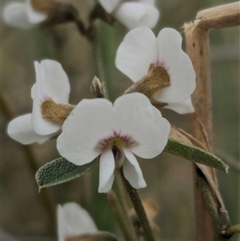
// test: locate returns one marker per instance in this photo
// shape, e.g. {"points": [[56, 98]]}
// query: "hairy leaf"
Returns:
{"points": [[59, 171], [180, 145]]}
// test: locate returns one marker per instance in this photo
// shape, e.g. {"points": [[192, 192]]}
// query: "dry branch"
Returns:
{"points": [[219, 17], [197, 45]]}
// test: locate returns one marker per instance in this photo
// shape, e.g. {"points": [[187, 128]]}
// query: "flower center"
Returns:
{"points": [[116, 142]]}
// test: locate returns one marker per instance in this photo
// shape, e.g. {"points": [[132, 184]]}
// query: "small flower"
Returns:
{"points": [[133, 14], [141, 51], [96, 127], [51, 86], [75, 223], [73, 220], [22, 15]]}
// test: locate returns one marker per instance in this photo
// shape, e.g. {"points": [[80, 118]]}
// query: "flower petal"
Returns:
{"points": [[135, 54], [21, 130], [35, 17], [132, 170], [76, 221], [178, 66], [132, 15], [89, 122], [106, 172], [137, 118], [109, 5], [149, 2], [15, 15], [184, 107], [63, 232], [51, 82]]}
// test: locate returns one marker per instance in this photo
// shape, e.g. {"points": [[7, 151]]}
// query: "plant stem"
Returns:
{"points": [[128, 233], [31, 162], [198, 50], [233, 230], [137, 204]]}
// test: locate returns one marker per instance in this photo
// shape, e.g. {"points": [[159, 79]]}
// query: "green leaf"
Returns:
{"points": [[194, 154], [59, 171]]}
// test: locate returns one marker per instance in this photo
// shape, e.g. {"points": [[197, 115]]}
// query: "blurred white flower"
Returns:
{"points": [[133, 14], [22, 15], [51, 84], [140, 48], [97, 127], [73, 220]]}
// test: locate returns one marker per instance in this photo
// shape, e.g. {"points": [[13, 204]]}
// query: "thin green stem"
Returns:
{"points": [[137, 204], [128, 233], [233, 229]]}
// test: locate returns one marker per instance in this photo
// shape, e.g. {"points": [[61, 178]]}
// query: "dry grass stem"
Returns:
{"points": [[223, 16]]}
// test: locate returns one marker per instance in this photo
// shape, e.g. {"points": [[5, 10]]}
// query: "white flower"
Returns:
{"points": [[73, 220], [96, 127], [51, 84], [22, 15], [140, 48], [133, 14]]}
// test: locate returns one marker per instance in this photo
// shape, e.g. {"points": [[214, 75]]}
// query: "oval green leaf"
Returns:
{"points": [[59, 171], [194, 154]]}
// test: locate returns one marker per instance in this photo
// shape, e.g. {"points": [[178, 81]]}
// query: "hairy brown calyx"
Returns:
{"points": [[156, 79], [55, 112]]}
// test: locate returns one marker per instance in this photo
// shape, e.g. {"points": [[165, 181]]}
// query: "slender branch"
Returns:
{"points": [[137, 204], [232, 230], [223, 16], [31, 162], [198, 50], [127, 230]]}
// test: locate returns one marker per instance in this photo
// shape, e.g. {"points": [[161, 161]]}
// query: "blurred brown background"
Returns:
{"points": [[23, 213]]}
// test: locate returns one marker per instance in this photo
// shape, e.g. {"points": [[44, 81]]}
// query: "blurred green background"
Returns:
{"points": [[169, 179]]}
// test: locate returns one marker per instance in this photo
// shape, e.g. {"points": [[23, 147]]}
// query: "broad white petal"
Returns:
{"points": [[137, 118], [40, 125], [132, 170], [184, 107], [149, 2], [89, 122], [15, 15], [109, 5], [51, 81], [178, 66], [21, 130], [133, 14], [106, 172], [135, 54], [76, 220], [34, 16]]}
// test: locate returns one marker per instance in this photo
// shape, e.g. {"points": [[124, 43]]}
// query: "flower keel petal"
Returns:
{"points": [[106, 174], [132, 170]]}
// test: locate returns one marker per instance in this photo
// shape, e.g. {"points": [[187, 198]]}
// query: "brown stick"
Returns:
{"points": [[223, 16], [198, 50]]}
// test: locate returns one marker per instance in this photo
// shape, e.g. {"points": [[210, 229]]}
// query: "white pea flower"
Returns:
{"points": [[133, 14], [51, 86], [73, 220], [97, 127], [140, 49], [22, 15]]}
